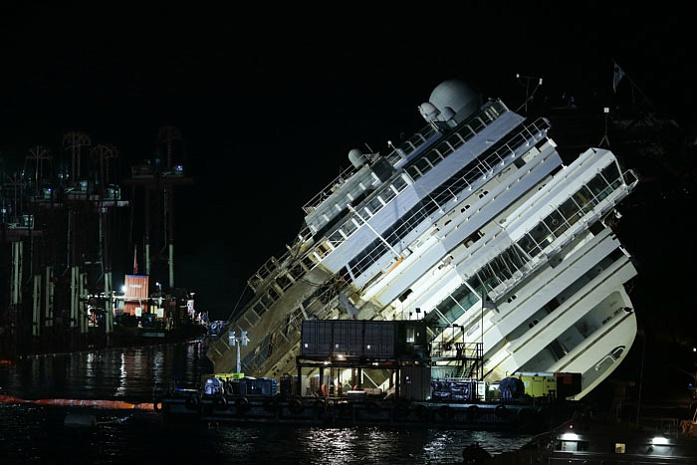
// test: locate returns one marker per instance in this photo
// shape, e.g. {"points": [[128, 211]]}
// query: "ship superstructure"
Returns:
{"points": [[476, 226]]}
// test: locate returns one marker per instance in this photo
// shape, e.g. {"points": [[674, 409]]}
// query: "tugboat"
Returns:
{"points": [[580, 441]]}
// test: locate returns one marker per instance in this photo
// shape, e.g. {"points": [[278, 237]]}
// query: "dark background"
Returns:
{"points": [[270, 101]]}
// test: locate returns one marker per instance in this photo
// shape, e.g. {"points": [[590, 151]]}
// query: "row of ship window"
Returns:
{"points": [[503, 266], [510, 260], [514, 258]]}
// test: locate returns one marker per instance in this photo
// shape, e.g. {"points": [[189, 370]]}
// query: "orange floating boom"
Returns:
{"points": [[105, 404]]}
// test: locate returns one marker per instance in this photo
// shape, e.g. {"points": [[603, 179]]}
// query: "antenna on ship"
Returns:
{"points": [[605, 142], [526, 81], [618, 75]]}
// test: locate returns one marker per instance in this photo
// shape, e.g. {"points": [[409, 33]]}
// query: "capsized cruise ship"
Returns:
{"points": [[474, 225]]}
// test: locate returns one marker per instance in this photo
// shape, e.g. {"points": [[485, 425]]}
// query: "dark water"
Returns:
{"points": [[31, 433]]}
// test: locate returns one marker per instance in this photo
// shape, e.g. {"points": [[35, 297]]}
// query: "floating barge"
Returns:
{"points": [[358, 350], [190, 406]]}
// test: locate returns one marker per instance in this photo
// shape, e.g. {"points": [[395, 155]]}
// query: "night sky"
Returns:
{"points": [[270, 102]]}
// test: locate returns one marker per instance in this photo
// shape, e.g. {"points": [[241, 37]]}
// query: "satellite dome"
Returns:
{"points": [[448, 113], [357, 158], [456, 95], [429, 111]]}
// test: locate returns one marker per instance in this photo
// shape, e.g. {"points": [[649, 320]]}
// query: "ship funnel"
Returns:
{"points": [[357, 158], [454, 97]]}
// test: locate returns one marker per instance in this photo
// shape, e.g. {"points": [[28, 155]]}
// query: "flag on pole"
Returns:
{"points": [[617, 77], [135, 260]]}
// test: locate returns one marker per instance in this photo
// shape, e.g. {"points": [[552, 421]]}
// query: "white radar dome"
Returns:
{"points": [[357, 158], [455, 96], [429, 111]]}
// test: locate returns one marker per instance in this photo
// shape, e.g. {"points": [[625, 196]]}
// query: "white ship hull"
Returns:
{"points": [[474, 225]]}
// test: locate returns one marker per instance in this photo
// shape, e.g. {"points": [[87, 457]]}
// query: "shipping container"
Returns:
{"points": [[370, 340], [136, 287], [266, 387], [316, 339], [415, 382], [379, 342], [348, 338], [539, 384]]}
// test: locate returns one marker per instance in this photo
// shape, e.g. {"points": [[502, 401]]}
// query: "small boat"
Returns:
{"points": [[584, 441]]}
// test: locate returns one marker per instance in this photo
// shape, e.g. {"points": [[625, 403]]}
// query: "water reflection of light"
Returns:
{"points": [[158, 367], [107, 373], [123, 377], [236, 443], [193, 353], [333, 445], [90, 368], [439, 442]]}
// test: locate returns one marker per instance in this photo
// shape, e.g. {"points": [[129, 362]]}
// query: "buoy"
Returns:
{"points": [[373, 408], [296, 406], [422, 412], [192, 402], [446, 412], [401, 409], [344, 408], [320, 405], [241, 405], [220, 403], [271, 404]]}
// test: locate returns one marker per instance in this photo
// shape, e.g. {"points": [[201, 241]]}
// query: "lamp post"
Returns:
{"points": [[233, 341]]}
